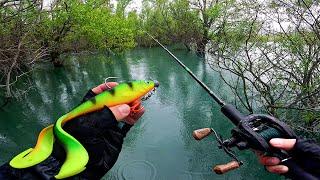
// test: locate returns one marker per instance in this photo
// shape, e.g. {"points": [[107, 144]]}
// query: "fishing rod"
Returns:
{"points": [[206, 88], [252, 131], [233, 114]]}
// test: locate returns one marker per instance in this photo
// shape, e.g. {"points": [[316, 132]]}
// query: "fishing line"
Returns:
{"points": [[206, 88]]}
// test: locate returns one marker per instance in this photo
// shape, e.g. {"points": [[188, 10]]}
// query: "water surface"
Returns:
{"points": [[160, 145]]}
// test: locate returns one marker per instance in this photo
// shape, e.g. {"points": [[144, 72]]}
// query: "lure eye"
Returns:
{"points": [[156, 84]]}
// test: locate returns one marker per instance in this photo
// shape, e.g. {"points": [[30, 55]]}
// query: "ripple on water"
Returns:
{"points": [[3, 139], [195, 175], [6, 143], [137, 168]]}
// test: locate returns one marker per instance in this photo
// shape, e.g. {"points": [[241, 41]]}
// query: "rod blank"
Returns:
{"points": [[206, 88]]}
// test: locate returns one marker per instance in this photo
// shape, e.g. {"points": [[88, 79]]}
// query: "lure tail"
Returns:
{"points": [[77, 156], [39, 153]]}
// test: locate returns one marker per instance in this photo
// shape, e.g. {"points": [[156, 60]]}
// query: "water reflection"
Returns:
{"points": [[160, 145]]}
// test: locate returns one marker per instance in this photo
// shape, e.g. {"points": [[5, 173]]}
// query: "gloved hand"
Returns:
{"points": [[305, 162], [101, 133]]}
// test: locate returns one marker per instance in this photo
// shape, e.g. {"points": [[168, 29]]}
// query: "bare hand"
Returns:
{"points": [[272, 163]]}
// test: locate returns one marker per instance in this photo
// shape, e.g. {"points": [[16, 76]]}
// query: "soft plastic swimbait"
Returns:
{"points": [[76, 155]]}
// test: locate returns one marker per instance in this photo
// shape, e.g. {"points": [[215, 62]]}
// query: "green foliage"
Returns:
{"points": [[14, 24], [234, 35], [215, 11], [304, 3], [155, 19], [102, 29], [310, 116], [73, 25], [179, 21], [293, 42]]}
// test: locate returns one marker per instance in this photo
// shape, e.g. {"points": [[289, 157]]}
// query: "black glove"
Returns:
{"points": [[101, 135], [305, 163]]}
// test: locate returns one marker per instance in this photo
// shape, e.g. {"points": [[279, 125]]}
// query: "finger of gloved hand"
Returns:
{"points": [[278, 169], [133, 118], [104, 86], [269, 161], [285, 144], [120, 111]]}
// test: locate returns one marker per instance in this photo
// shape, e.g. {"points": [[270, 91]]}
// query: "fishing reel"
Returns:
{"points": [[251, 132]]}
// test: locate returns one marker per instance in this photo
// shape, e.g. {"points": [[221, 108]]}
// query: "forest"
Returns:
{"points": [[270, 49]]}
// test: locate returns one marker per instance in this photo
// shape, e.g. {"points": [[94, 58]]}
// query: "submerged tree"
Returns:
{"points": [[275, 62], [183, 21], [30, 32], [76, 26], [208, 12], [19, 49]]}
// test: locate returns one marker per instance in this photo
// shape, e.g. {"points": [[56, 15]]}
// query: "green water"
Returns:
{"points": [[160, 145]]}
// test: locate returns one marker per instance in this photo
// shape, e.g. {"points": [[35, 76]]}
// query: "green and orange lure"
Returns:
{"points": [[76, 155]]}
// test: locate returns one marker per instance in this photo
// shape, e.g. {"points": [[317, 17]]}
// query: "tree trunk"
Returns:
{"points": [[201, 47], [55, 59], [187, 46]]}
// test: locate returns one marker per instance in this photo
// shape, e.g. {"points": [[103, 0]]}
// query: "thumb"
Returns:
{"points": [[120, 111], [285, 144]]}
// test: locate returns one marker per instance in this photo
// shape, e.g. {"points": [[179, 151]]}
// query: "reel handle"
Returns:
{"points": [[224, 168], [199, 134]]}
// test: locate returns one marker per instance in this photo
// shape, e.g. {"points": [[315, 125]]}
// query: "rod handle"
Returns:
{"points": [[223, 168], [232, 113], [199, 134]]}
